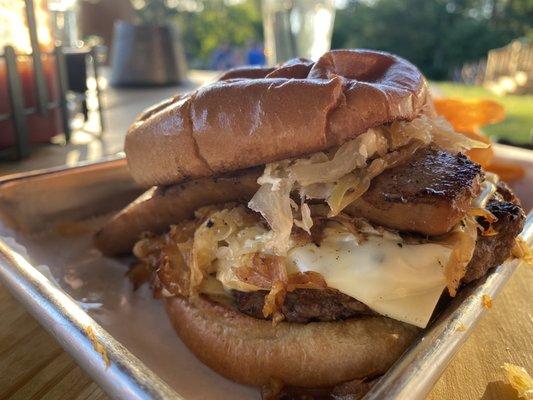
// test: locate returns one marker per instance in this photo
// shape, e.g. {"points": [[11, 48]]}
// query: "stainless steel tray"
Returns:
{"points": [[33, 203]]}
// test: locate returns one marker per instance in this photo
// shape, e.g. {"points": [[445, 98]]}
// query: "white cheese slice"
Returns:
{"points": [[402, 281]]}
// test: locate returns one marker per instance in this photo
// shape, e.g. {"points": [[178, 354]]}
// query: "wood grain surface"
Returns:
{"points": [[33, 366]]}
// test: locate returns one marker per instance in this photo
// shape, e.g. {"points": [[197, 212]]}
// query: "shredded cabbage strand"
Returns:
{"points": [[218, 228], [445, 137], [273, 201], [341, 176], [462, 239], [350, 156]]}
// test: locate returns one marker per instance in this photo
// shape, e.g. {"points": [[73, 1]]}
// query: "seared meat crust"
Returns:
{"points": [[491, 251], [428, 194], [304, 305]]}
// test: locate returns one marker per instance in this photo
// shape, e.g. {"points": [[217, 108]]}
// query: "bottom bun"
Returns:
{"points": [[318, 354]]}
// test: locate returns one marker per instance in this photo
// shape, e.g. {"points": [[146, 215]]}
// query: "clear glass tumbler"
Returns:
{"points": [[297, 28]]}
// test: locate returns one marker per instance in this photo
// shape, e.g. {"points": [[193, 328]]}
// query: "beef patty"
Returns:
{"points": [[306, 305]]}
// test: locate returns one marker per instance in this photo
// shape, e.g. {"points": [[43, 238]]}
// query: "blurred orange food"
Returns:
{"points": [[506, 171], [467, 117]]}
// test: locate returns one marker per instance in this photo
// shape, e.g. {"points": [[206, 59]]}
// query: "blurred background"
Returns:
{"points": [[136, 52]]}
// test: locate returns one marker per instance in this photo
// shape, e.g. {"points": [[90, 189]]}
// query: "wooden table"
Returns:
{"points": [[33, 366]]}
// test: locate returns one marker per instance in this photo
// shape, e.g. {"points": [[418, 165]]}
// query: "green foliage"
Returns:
{"points": [[518, 124], [436, 35], [218, 22], [154, 12]]}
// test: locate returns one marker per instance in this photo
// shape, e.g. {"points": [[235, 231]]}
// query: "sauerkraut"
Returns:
{"points": [[342, 175], [522, 251], [462, 239]]}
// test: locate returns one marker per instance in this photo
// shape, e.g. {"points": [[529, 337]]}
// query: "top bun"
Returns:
{"points": [[252, 116]]}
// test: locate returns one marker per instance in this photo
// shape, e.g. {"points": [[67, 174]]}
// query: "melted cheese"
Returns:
{"points": [[402, 281]]}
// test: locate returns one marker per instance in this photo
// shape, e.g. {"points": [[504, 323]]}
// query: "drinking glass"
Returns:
{"points": [[297, 28]]}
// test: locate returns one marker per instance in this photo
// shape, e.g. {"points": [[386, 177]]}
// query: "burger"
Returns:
{"points": [[303, 221]]}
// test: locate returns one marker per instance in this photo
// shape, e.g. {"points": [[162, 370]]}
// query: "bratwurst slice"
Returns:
{"points": [[159, 207], [428, 194]]}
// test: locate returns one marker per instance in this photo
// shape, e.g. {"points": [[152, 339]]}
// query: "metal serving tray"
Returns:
{"points": [[47, 262]]}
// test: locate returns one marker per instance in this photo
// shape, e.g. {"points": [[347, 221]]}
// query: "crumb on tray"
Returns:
{"points": [[486, 301], [519, 379], [98, 347]]}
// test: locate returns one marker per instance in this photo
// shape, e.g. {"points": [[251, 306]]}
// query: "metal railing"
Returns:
{"points": [[43, 105]]}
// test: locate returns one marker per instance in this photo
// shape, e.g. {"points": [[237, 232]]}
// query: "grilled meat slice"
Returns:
{"points": [[429, 194], [304, 305], [491, 251]]}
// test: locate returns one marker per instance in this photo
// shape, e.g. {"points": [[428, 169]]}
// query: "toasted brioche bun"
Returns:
{"points": [[317, 354], [254, 116]]}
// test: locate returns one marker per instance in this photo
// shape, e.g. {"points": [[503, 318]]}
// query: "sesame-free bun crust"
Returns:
{"points": [[318, 354], [251, 117]]}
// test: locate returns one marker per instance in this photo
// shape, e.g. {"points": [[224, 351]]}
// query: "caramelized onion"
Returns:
{"points": [[267, 272], [462, 240]]}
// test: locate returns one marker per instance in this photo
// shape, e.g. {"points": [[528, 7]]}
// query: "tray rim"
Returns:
{"points": [[119, 157], [128, 377], [124, 376]]}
